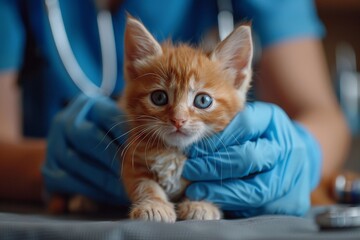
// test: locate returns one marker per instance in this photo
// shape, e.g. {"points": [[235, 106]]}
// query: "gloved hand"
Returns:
{"points": [[261, 163], [83, 143]]}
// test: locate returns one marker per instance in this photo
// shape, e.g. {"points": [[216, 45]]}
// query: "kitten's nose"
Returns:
{"points": [[178, 122]]}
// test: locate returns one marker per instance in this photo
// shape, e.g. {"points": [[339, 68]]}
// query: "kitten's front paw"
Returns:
{"points": [[154, 211], [198, 211]]}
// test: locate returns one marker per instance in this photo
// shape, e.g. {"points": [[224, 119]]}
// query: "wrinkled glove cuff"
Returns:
{"points": [[314, 152]]}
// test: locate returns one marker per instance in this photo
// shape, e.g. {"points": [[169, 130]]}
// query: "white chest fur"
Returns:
{"points": [[168, 166]]}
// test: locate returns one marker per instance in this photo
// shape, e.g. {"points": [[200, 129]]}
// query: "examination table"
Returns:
{"points": [[33, 226]]}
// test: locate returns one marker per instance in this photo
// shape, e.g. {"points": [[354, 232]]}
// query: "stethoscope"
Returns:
{"points": [[225, 18], [107, 45]]}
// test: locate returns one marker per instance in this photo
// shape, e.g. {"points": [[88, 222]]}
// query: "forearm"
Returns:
{"points": [[20, 159], [20, 175], [295, 77], [329, 128]]}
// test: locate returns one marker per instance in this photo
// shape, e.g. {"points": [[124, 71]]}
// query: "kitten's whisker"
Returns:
{"points": [[128, 132], [134, 138], [206, 149], [129, 142], [152, 137], [146, 116], [207, 142], [144, 127], [212, 146], [237, 141], [225, 147], [122, 162], [149, 131], [163, 143], [158, 137], [107, 133]]}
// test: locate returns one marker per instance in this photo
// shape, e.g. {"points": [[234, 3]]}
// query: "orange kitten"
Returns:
{"points": [[174, 96]]}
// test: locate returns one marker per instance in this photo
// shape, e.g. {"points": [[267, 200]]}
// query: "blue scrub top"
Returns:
{"points": [[27, 45]]}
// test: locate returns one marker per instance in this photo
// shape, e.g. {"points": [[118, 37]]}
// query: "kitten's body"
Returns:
{"points": [[153, 157]]}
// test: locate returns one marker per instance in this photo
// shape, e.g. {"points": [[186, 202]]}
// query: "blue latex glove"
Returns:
{"points": [[82, 146], [262, 163]]}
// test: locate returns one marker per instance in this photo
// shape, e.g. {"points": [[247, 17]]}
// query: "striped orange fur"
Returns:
{"points": [[153, 157]]}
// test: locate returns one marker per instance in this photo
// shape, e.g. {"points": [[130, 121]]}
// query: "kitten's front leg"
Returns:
{"points": [[151, 203], [149, 200]]}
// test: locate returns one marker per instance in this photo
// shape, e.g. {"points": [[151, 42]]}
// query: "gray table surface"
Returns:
{"points": [[41, 226]]}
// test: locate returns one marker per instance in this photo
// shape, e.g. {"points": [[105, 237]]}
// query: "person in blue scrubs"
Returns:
{"points": [[40, 104]]}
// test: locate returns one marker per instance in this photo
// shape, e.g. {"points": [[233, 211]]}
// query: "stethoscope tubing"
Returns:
{"points": [[71, 65], [108, 46]]}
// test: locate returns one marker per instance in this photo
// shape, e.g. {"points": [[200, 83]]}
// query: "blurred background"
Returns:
{"points": [[342, 49]]}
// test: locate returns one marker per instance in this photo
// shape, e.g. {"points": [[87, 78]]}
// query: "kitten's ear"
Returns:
{"points": [[235, 55], [139, 43]]}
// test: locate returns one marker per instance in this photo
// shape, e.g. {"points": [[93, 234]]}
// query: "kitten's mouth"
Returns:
{"points": [[178, 132], [180, 138]]}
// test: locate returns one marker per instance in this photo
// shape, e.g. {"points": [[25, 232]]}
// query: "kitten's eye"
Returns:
{"points": [[159, 98], [202, 101]]}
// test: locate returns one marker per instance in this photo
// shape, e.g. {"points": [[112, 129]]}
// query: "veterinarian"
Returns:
{"points": [[59, 60]]}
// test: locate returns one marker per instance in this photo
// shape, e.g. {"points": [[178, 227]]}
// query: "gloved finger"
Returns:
{"points": [[57, 179], [229, 194], [239, 194], [234, 161], [296, 202], [109, 117], [61, 155], [74, 106], [94, 144], [89, 172], [60, 181], [249, 124]]}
